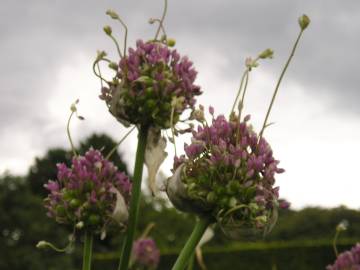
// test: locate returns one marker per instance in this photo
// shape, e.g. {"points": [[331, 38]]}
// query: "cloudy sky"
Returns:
{"points": [[47, 49]]}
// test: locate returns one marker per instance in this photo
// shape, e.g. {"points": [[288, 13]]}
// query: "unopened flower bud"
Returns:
{"points": [[79, 225], [112, 14], [163, 38], [177, 102], [73, 107], [171, 42], [42, 244], [250, 63], [268, 53], [107, 29], [152, 21], [100, 55], [113, 66], [304, 21], [261, 219], [342, 226]]}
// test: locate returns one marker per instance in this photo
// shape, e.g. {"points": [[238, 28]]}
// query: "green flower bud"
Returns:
{"points": [[232, 202], [149, 91], [112, 14], [73, 106], [74, 203], [42, 244], [304, 21], [342, 226], [60, 210], [268, 53], [151, 104], [171, 42], [211, 197], [94, 219], [145, 79], [100, 55], [261, 219], [113, 66], [79, 225], [107, 29]]}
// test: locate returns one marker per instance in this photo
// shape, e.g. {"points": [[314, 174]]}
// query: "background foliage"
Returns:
{"points": [[300, 240]]}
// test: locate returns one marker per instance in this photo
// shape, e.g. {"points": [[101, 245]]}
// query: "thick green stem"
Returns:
{"points": [[191, 244], [88, 243], [135, 199]]}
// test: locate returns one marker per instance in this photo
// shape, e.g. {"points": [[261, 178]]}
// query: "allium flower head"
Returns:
{"points": [[145, 253], [149, 78], [348, 260], [92, 192], [228, 172]]}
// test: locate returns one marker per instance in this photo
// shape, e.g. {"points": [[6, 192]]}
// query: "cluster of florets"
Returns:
{"points": [[145, 253], [90, 194], [348, 260], [229, 173], [148, 81]]}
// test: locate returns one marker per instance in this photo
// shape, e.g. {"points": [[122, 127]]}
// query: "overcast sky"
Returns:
{"points": [[47, 49]]}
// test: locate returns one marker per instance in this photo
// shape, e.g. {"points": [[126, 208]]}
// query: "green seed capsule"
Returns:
{"points": [[60, 210], [74, 203], [211, 197], [94, 219], [232, 202], [150, 104]]}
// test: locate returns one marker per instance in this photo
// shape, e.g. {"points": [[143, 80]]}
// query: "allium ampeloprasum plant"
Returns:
{"points": [[228, 172], [151, 88], [347, 260], [145, 254], [89, 196]]}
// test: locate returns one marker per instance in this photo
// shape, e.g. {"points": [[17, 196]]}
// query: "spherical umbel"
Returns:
{"points": [[148, 80], [228, 173], [90, 194]]}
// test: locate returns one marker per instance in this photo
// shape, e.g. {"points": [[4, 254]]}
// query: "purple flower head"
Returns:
{"points": [[145, 253], [229, 173], [348, 260], [150, 77], [89, 191]]}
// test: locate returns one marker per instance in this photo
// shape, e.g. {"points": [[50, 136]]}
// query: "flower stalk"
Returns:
{"points": [[88, 243], [189, 248], [135, 199], [279, 82]]}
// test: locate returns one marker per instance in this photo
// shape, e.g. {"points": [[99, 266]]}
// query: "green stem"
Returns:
{"points": [[87, 251], [69, 135], [191, 262], [240, 88], [161, 23], [278, 84], [189, 248], [135, 199], [241, 104], [334, 243], [118, 144]]}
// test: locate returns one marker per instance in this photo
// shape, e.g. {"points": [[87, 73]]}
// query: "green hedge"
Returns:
{"points": [[253, 256]]}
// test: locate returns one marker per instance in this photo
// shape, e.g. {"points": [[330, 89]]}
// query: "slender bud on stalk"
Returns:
{"points": [[304, 22], [107, 29]]}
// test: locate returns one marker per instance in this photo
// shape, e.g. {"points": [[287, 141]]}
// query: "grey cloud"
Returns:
{"points": [[38, 36]]}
